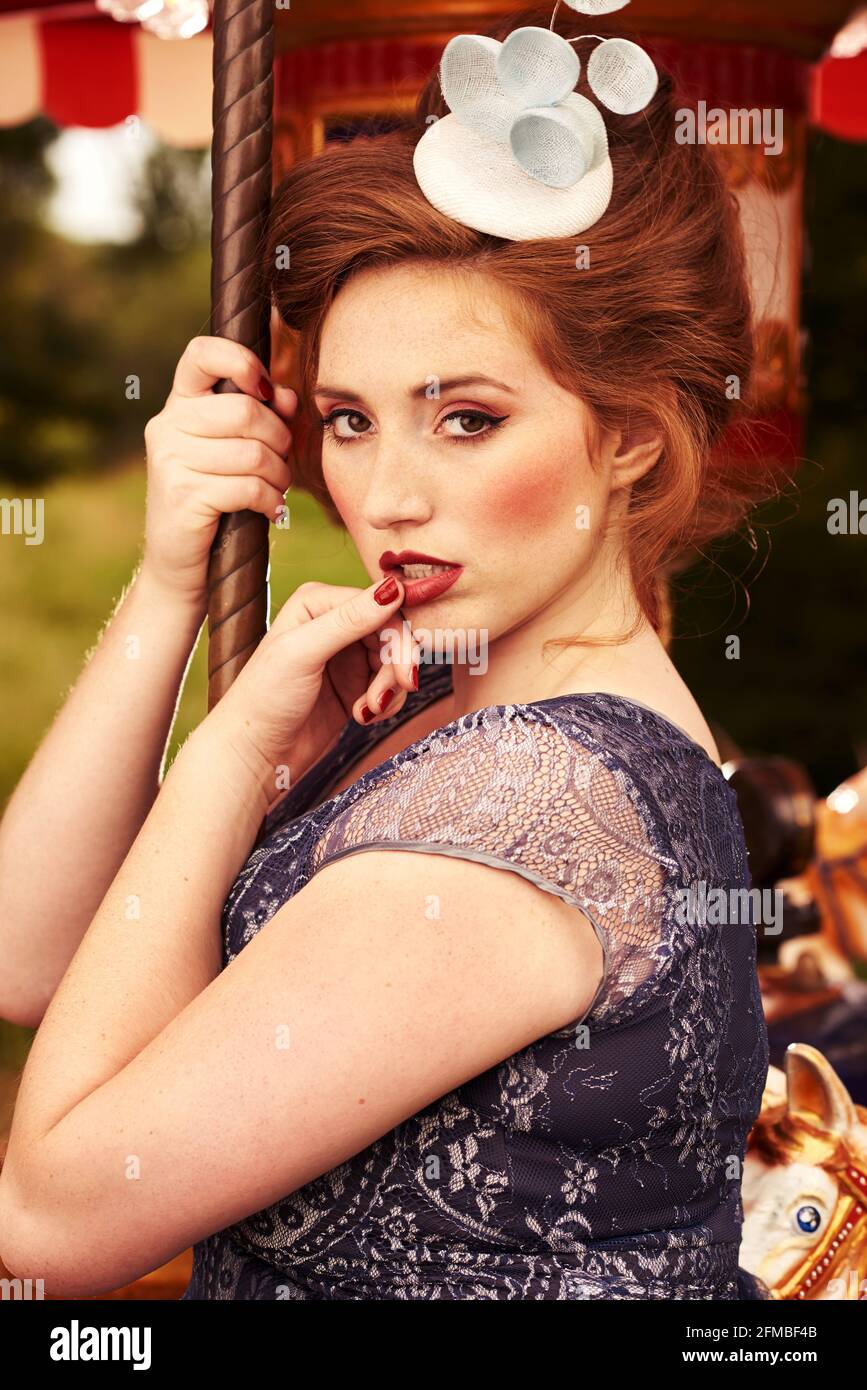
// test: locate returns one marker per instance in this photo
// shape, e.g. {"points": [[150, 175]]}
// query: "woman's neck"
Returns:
{"points": [[618, 649]]}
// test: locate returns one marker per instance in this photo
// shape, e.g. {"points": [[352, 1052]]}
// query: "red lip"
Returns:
{"points": [[390, 559], [418, 591]]}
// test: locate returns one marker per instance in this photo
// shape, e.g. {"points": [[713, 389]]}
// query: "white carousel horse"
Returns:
{"points": [[805, 1175], [805, 1184]]}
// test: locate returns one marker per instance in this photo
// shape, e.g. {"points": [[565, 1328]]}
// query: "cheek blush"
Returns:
{"points": [[529, 498]]}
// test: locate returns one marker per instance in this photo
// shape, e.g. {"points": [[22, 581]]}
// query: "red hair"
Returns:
{"points": [[650, 333]]}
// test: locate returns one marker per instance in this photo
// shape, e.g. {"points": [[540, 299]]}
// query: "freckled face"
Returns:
{"points": [[487, 474]]}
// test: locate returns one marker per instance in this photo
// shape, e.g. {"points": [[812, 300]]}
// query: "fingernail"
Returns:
{"points": [[387, 591], [366, 714], [266, 390], [415, 676], [385, 699]]}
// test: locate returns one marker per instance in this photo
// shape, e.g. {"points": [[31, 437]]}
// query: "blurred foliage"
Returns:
{"points": [[14, 1046], [173, 201], [59, 595], [93, 332]]}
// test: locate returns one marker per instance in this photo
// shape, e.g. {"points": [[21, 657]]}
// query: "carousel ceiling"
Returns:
{"points": [[78, 66], [803, 27]]}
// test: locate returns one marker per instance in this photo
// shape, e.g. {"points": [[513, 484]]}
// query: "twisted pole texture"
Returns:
{"points": [[241, 193]]}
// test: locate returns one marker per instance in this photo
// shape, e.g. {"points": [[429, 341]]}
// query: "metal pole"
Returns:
{"points": [[241, 193]]}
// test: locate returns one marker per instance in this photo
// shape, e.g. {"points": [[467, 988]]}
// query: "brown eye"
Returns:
{"points": [[355, 422], [472, 424], [468, 421]]}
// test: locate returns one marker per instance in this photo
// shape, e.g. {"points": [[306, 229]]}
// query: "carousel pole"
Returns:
{"points": [[241, 193]]}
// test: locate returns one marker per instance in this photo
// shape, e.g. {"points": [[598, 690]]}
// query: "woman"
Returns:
{"points": [[443, 1032]]}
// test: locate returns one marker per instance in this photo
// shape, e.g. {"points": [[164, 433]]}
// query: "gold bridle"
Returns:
{"points": [[846, 1237]]}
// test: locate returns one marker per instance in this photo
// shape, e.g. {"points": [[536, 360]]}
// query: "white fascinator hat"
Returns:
{"points": [[521, 155]]}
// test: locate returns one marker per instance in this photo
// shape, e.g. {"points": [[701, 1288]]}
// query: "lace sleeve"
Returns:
{"points": [[511, 788]]}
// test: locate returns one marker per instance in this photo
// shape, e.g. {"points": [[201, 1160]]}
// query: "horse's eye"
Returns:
{"points": [[808, 1219]]}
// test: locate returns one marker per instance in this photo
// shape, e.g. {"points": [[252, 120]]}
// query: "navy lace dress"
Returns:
{"points": [[604, 1160]]}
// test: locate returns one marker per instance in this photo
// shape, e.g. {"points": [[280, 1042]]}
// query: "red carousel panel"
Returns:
{"points": [[88, 72], [838, 97]]}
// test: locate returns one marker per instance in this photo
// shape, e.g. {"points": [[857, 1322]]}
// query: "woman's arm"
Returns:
{"points": [[87, 791], [163, 1100], [154, 943], [84, 796]]}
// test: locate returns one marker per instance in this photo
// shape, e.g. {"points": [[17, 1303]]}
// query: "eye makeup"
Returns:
{"points": [[492, 422]]}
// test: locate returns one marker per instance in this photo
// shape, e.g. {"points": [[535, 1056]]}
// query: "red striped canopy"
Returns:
{"points": [[77, 66]]}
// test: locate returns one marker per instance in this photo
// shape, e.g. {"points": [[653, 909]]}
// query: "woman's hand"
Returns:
{"points": [[208, 454], [331, 654]]}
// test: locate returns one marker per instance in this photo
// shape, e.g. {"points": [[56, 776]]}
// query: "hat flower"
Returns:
{"points": [[521, 151]]}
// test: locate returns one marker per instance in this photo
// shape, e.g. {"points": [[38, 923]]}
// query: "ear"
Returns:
{"points": [[632, 451]]}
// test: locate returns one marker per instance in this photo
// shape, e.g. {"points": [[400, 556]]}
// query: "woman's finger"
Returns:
{"points": [[233, 415], [393, 649], [400, 651], [243, 494], [398, 673], [310, 600], [206, 360], [285, 401], [384, 698], [317, 641], [236, 457]]}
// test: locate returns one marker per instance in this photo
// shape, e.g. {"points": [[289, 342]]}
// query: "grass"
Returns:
{"points": [[57, 597]]}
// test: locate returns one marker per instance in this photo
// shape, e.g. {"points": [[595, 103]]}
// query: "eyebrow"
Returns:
{"points": [[419, 392]]}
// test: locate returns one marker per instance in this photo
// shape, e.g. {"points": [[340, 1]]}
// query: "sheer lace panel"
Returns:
{"points": [[510, 788]]}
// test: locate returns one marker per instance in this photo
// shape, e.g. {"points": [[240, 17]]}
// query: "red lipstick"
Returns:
{"points": [[424, 589]]}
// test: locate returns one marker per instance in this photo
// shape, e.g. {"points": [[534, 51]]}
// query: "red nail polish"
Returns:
{"points": [[366, 714], [265, 388], [385, 699], [415, 677], [387, 591]]}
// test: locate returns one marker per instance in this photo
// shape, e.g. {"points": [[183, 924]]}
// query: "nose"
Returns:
{"points": [[395, 491]]}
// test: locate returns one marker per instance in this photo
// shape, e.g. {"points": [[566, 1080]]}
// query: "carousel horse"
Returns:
{"points": [[805, 1174], [805, 1184]]}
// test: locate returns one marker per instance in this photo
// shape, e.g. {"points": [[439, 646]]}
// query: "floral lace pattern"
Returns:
{"points": [[603, 1160]]}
